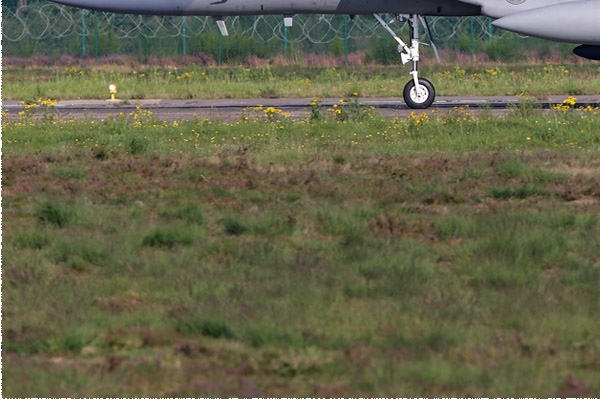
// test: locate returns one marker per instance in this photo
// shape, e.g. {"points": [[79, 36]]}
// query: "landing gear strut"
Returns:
{"points": [[419, 92]]}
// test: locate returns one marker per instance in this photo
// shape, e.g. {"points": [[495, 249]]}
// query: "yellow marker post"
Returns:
{"points": [[112, 89]]}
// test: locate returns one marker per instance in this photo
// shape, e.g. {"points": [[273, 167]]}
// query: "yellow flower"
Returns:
{"points": [[570, 101]]}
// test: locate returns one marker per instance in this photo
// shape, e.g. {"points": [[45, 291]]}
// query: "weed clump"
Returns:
{"points": [[193, 325], [167, 238], [191, 214], [54, 213], [520, 193], [234, 227], [138, 146], [31, 239]]}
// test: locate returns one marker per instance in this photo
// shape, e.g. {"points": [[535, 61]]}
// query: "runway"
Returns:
{"points": [[233, 109]]}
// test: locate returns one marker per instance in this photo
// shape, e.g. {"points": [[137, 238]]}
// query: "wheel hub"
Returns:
{"points": [[419, 94]]}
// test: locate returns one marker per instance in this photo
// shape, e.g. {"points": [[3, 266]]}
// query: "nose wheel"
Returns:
{"points": [[421, 96]]}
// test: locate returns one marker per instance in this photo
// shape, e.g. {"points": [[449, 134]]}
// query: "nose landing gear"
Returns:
{"points": [[418, 93]]}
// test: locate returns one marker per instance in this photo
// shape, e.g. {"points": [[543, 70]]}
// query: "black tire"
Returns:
{"points": [[416, 100]]}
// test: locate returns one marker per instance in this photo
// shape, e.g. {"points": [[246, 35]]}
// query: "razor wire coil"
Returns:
{"points": [[50, 21]]}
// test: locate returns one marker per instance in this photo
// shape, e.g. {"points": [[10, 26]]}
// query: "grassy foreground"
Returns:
{"points": [[197, 82], [441, 255]]}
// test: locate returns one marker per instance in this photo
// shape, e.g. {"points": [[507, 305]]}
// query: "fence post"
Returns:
{"points": [[184, 36], [83, 34], [346, 39], [96, 35], [472, 40], [220, 55]]}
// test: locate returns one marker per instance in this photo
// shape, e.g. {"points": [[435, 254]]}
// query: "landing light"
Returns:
{"points": [[112, 89]]}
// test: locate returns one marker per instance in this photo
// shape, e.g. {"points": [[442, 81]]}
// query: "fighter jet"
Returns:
{"points": [[571, 21]]}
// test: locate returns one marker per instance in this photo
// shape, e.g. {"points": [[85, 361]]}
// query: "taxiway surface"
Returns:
{"points": [[233, 109]]}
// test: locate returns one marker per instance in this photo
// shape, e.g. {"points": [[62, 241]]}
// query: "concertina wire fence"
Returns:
{"points": [[53, 30]]}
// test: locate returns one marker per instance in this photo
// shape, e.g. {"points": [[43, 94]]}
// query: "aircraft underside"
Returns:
{"points": [[262, 7]]}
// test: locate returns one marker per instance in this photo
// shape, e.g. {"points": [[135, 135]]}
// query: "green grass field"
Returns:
{"points": [[197, 82], [445, 254]]}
